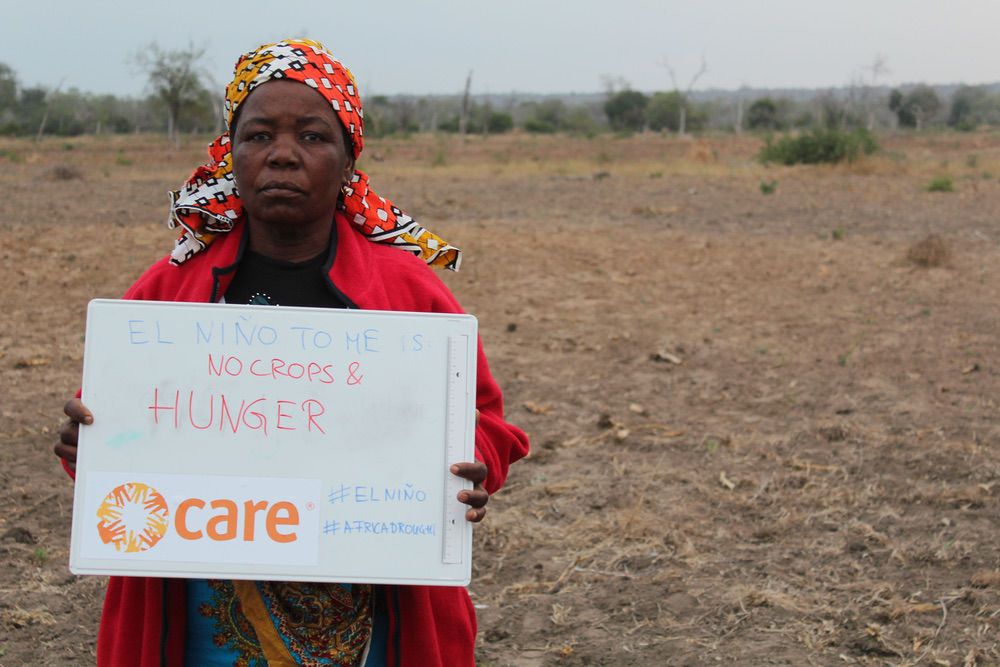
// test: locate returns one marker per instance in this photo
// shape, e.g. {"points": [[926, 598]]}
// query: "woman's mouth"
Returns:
{"points": [[281, 189]]}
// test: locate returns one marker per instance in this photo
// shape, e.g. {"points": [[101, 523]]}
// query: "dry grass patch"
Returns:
{"points": [[64, 172], [929, 252]]}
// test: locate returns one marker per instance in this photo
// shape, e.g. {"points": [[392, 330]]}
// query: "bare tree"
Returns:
{"points": [[612, 83], [175, 77], [48, 108], [861, 92], [739, 110], [682, 122], [463, 120], [8, 90], [216, 99], [878, 69]]}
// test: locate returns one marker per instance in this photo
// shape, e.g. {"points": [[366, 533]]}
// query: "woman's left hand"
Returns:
{"points": [[477, 497]]}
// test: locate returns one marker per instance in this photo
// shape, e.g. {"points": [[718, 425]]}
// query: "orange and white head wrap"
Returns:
{"points": [[208, 204]]}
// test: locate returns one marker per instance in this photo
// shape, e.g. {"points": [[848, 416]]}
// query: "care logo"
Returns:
{"points": [[180, 518], [133, 517]]}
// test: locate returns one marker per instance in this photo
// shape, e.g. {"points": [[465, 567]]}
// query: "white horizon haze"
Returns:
{"points": [[397, 47]]}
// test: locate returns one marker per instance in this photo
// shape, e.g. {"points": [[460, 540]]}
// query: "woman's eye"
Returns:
{"points": [[312, 136], [257, 136]]}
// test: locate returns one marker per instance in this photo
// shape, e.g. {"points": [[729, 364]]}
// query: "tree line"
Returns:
{"points": [[181, 100], [178, 102], [918, 107]]}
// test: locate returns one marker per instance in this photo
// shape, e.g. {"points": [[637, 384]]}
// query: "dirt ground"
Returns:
{"points": [[764, 425]]}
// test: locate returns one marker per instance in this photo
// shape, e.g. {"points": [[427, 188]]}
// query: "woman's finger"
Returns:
{"points": [[475, 515], [78, 412], [477, 497], [66, 452], [475, 472], [70, 433]]}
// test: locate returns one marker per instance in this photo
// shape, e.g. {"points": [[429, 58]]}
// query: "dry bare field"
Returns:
{"points": [[764, 426]]}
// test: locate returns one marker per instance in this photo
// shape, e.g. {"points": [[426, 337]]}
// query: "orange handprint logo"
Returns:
{"points": [[133, 517]]}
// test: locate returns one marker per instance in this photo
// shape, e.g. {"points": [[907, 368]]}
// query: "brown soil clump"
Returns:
{"points": [[929, 252]]}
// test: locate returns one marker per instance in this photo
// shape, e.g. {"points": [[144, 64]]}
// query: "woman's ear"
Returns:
{"points": [[348, 171], [348, 175]]}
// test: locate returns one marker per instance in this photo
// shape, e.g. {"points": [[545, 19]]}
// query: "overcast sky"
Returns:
{"points": [[403, 46]]}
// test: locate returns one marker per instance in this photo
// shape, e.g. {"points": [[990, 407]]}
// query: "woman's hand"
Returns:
{"points": [[66, 446], [477, 497]]}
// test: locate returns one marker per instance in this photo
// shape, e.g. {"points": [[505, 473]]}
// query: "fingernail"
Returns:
{"points": [[454, 469]]}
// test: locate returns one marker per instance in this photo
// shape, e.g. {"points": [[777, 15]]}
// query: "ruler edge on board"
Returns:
{"points": [[456, 541]]}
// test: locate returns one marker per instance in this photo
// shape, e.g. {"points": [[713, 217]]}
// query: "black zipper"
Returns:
{"points": [[219, 271], [328, 265]]}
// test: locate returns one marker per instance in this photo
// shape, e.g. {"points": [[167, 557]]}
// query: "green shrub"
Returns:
{"points": [[664, 113], [499, 122], [764, 114], [941, 184], [480, 121], [819, 146], [626, 110], [537, 126]]}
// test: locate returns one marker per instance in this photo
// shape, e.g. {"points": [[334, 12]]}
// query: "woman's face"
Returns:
{"points": [[289, 157]]}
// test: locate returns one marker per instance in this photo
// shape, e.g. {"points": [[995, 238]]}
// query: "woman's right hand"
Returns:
{"points": [[69, 434]]}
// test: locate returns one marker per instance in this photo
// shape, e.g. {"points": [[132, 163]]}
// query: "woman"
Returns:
{"points": [[281, 216]]}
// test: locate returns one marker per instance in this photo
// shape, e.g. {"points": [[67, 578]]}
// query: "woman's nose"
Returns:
{"points": [[284, 151]]}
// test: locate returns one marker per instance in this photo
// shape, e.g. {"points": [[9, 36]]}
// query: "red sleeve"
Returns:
{"points": [[498, 443], [147, 282]]}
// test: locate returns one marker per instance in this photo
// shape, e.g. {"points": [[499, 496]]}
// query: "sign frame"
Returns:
{"points": [[327, 462]]}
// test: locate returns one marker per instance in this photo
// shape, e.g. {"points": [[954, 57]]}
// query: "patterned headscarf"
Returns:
{"points": [[208, 203]]}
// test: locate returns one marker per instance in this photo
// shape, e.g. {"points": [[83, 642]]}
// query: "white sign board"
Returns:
{"points": [[274, 443]]}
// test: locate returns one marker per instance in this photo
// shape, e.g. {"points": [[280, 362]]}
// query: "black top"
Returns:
{"points": [[264, 281]]}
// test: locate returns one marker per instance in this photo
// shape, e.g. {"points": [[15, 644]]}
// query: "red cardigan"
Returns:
{"points": [[144, 618]]}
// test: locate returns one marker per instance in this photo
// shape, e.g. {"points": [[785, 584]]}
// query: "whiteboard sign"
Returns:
{"points": [[275, 443]]}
